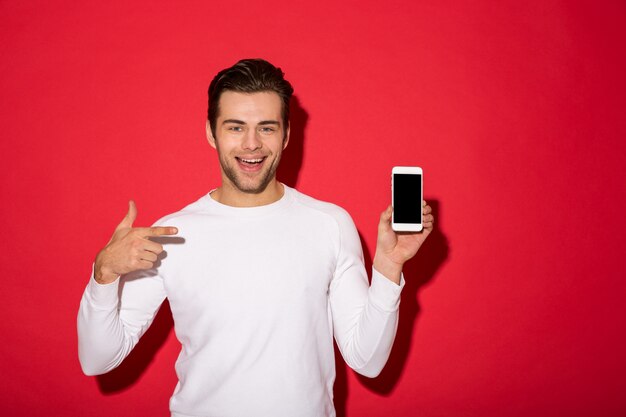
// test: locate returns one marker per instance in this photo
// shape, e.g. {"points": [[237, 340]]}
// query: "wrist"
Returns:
{"points": [[388, 268], [103, 275]]}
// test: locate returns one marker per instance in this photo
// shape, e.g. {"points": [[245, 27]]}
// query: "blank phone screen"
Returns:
{"points": [[407, 198]]}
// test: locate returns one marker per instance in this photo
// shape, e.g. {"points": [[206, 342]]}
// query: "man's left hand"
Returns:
{"points": [[393, 249]]}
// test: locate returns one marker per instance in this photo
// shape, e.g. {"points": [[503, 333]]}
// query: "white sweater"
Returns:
{"points": [[256, 295]]}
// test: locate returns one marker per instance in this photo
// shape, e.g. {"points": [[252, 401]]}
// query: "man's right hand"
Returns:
{"points": [[130, 249]]}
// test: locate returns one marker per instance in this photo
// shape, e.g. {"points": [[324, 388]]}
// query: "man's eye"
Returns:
{"points": [[268, 129], [235, 128]]}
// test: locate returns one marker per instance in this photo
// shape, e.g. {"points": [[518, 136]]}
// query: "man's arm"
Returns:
{"points": [[110, 324], [365, 317]]}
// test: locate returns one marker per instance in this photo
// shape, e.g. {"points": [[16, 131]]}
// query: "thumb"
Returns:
{"points": [[385, 219], [127, 221]]}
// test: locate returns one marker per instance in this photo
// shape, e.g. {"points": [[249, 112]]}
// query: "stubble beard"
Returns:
{"points": [[250, 185]]}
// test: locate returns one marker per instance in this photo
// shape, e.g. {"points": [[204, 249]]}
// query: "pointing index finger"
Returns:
{"points": [[159, 231]]}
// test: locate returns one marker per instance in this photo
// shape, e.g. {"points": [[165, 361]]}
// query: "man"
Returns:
{"points": [[264, 278]]}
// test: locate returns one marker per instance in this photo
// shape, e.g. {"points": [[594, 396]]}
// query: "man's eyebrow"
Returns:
{"points": [[239, 122], [261, 123]]}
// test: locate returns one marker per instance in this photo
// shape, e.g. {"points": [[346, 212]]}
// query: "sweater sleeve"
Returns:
{"points": [[112, 318], [365, 318]]}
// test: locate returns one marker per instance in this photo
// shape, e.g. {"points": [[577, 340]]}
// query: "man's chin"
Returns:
{"points": [[248, 183], [251, 187]]}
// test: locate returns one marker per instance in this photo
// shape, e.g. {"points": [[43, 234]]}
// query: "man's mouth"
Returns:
{"points": [[251, 161], [250, 164]]}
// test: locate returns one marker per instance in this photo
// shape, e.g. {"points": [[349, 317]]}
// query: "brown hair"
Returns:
{"points": [[249, 76]]}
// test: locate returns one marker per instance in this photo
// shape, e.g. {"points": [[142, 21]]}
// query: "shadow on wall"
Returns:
{"points": [[418, 272], [135, 364], [291, 160]]}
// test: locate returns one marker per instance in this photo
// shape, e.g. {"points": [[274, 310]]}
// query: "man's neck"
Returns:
{"points": [[231, 196]]}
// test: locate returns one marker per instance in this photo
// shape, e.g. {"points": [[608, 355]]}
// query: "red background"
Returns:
{"points": [[515, 110]]}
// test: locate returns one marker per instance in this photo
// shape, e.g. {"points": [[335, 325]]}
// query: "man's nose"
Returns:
{"points": [[252, 140]]}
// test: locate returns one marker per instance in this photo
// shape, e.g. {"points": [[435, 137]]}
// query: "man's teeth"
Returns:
{"points": [[251, 161]]}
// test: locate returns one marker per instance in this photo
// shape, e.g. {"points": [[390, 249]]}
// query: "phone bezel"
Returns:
{"points": [[407, 227]]}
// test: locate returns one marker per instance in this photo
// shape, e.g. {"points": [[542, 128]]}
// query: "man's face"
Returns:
{"points": [[250, 138]]}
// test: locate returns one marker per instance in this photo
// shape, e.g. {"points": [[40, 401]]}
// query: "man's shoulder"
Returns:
{"points": [[325, 208], [189, 212]]}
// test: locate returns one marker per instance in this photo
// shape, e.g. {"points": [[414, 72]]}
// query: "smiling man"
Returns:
{"points": [[252, 135], [264, 279]]}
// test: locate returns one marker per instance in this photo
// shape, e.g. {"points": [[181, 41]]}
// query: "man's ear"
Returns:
{"points": [[286, 138], [209, 134]]}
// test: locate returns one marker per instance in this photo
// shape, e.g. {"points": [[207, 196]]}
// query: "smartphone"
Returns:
{"points": [[406, 195]]}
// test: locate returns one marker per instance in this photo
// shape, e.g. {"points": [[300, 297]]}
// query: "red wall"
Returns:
{"points": [[515, 111]]}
